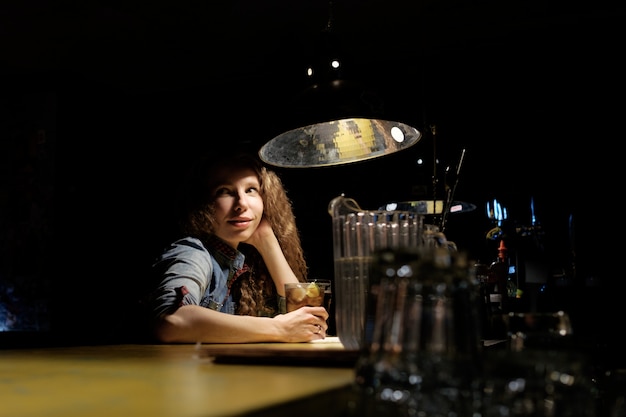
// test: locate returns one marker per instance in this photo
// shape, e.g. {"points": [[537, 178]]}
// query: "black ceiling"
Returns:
{"points": [[503, 79], [173, 44]]}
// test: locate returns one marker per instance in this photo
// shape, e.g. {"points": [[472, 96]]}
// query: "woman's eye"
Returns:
{"points": [[252, 190], [222, 191]]}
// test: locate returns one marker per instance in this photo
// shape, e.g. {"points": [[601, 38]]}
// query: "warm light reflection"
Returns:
{"points": [[354, 138]]}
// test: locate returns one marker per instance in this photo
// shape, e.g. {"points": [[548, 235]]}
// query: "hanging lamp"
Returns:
{"points": [[339, 119]]}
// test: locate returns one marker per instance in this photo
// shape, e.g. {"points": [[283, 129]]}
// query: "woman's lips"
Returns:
{"points": [[240, 222]]}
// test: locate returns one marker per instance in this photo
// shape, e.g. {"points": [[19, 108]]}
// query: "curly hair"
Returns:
{"points": [[256, 292]]}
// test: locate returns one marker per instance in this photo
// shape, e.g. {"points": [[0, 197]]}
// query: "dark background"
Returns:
{"points": [[105, 104]]}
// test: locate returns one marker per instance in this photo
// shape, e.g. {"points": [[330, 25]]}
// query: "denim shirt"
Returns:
{"points": [[191, 274]]}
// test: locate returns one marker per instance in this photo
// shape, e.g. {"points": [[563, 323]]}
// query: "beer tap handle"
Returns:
{"points": [[450, 196]]}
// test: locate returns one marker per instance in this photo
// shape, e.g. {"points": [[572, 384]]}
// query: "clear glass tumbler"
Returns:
{"points": [[423, 356]]}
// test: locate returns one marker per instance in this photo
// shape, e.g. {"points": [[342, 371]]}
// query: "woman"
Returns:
{"points": [[224, 281]]}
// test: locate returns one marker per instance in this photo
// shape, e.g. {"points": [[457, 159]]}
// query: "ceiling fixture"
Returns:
{"points": [[338, 142], [339, 121]]}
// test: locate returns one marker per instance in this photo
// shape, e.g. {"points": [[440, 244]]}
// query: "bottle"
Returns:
{"points": [[503, 282], [512, 288]]}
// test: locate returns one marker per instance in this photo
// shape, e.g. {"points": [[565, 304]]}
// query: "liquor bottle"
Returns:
{"points": [[503, 281], [513, 292]]}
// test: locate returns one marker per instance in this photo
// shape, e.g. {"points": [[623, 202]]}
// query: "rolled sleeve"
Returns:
{"points": [[282, 304], [185, 270]]}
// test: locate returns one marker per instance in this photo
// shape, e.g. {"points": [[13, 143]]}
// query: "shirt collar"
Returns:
{"points": [[225, 251]]}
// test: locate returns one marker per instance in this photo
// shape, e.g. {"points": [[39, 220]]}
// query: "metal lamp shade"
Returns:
{"points": [[338, 142]]}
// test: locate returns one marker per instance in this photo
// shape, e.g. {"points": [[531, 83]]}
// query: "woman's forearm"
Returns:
{"points": [[277, 264], [192, 323]]}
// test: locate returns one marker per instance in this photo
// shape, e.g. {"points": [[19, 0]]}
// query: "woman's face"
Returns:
{"points": [[238, 205]]}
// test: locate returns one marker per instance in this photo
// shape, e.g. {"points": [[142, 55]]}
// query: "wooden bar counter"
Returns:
{"points": [[165, 380]]}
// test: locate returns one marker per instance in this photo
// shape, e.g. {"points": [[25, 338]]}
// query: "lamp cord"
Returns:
{"points": [[433, 131]]}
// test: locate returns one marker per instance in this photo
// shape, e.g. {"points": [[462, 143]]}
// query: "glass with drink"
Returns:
{"points": [[300, 294], [325, 286]]}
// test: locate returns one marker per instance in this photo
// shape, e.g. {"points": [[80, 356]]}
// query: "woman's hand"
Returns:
{"points": [[265, 241], [262, 235], [304, 324]]}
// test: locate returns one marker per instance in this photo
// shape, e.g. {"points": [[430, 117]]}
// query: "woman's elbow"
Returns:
{"points": [[165, 329]]}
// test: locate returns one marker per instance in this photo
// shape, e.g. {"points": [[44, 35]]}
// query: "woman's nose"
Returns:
{"points": [[241, 203]]}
